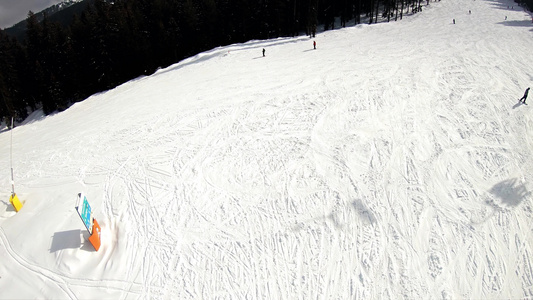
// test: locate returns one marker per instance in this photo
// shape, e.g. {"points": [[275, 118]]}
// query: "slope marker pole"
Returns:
{"points": [[14, 200]]}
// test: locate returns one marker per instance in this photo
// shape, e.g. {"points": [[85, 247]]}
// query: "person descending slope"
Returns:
{"points": [[523, 99]]}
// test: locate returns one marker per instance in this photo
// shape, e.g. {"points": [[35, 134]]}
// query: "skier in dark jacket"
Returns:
{"points": [[524, 97]]}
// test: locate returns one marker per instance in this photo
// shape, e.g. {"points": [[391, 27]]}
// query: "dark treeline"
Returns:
{"points": [[111, 42], [528, 4]]}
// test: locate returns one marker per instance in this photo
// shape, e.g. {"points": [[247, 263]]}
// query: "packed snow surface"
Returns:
{"points": [[394, 161]]}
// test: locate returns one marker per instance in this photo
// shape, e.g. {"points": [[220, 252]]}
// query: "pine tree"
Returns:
{"points": [[8, 78]]}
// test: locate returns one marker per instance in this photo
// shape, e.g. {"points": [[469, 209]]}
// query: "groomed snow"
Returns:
{"points": [[392, 162]]}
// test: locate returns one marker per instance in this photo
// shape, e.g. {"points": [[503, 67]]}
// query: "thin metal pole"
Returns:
{"points": [[11, 159]]}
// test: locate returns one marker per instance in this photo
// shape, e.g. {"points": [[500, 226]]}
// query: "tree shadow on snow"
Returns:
{"points": [[338, 219], [506, 5], [516, 23], [511, 192], [363, 211]]}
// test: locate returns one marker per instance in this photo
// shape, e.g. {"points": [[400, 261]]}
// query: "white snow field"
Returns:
{"points": [[393, 162]]}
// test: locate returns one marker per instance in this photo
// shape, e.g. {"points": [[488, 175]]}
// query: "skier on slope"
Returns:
{"points": [[524, 97]]}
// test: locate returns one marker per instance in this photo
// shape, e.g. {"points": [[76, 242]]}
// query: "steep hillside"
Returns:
{"points": [[393, 161]]}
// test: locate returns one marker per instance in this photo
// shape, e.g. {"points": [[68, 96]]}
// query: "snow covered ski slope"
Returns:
{"points": [[392, 162]]}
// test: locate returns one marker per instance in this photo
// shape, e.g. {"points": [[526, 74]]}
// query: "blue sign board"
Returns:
{"points": [[84, 210]]}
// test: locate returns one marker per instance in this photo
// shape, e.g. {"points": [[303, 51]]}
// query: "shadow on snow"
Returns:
{"points": [[511, 192], [70, 239]]}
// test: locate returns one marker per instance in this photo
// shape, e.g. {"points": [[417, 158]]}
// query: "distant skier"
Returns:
{"points": [[453, 21], [523, 99], [314, 44], [263, 52]]}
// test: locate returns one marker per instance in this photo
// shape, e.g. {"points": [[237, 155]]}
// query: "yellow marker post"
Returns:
{"points": [[14, 200]]}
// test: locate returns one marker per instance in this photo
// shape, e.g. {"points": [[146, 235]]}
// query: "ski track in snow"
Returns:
{"points": [[395, 167]]}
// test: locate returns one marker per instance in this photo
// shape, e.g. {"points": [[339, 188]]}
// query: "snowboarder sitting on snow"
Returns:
{"points": [[524, 97]]}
